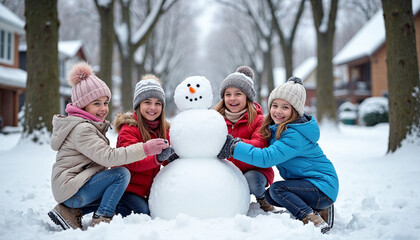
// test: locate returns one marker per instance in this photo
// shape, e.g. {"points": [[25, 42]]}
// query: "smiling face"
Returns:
{"points": [[98, 108], [193, 92], [234, 99], [280, 110], [151, 108]]}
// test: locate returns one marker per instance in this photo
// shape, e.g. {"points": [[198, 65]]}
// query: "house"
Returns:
{"points": [[362, 61], [307, 72], [12, 79], [69, 53]]}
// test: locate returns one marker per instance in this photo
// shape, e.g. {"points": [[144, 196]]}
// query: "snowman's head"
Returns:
{"points": [[193, 92]]}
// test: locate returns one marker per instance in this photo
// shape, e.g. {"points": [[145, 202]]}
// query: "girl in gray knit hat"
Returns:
{"points": [[310, 185], [146, 122], [243, 118]]}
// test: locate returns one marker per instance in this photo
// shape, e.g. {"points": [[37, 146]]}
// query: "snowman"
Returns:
{"points": [[198, 184]]}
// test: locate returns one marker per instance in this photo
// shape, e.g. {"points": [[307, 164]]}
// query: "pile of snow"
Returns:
{"points": [[379, 197], [373, 107]]}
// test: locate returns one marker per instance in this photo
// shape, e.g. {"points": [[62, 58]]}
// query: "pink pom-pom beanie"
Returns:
{"points": [[86, 87]]}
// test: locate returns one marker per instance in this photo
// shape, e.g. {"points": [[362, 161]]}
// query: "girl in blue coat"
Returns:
{"points": [[310, 185]]}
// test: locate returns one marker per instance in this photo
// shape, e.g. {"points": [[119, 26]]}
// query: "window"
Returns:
{"points": [[6, 46]]}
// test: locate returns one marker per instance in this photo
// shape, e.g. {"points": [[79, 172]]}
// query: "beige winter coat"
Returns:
{"points": [[83, 151]]}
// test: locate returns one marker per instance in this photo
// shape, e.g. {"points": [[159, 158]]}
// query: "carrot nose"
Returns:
{"points": [[192, 90]]}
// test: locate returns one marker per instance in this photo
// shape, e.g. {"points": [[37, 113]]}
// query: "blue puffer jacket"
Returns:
{"points": [[296, 154]]}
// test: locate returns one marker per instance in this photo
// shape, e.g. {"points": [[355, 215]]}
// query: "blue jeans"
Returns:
{"points": [[104, 189], [299, 197], [132, 203], [256, 182]]}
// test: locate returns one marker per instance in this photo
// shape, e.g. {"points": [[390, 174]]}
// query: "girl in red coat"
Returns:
{"points": [[146, 122], [243, 118]]}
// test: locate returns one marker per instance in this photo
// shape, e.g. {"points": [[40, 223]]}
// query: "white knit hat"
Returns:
{"points": [[292, 91]]}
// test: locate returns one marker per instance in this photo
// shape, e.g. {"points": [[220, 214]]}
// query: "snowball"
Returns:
{"points": [[199, 187], [198, 133], [194, 92]]}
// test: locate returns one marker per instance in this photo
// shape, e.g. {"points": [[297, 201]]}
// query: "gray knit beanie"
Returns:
{"points": [[292, 91], [241, 79], [148, 87]]}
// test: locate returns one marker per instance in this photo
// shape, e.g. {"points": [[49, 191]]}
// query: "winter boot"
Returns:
{"points": [[96, 219], [317, 220], [328, 215], [264, 205], [66, 217]]}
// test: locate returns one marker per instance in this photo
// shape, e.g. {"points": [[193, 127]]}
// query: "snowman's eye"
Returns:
{"points": [[188, 85], [198, 85], [201, 97]]}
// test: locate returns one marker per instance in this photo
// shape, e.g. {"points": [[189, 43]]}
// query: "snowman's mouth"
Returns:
{"points": [[193, 99]]}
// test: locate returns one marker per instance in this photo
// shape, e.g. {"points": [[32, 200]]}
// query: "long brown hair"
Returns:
{"points": [[250, 109], [144, 129], [265, 129]]}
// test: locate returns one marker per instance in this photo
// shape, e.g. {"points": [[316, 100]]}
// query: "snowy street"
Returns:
{"points": [[379, 197]]}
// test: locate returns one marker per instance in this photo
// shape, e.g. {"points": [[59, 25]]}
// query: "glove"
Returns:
{"points": [[155, 146], [228, 147], [167, 154]]}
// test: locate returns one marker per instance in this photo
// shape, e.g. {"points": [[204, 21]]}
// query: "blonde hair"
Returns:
{"points": [[265, 129]]}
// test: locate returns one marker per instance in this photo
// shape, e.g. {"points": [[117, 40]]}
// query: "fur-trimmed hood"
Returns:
{"points": [[124, 118]]}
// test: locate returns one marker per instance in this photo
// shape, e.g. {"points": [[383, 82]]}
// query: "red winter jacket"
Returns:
{"points": [[142, 172], [250, 134]]}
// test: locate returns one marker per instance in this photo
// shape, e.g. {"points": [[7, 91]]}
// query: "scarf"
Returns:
{"points": [[153, 125], [77, 112], [234, 117]]}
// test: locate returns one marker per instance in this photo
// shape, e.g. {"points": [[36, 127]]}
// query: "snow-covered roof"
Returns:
{"points": [[306, 68], [367, 40], [69, 48], [13, 77], [11, 20]]}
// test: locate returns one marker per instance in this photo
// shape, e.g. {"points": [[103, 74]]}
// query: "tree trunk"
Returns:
{"points": [[402, 68], [127, 89], [42, 85], [106, 14], [268, 75], [325, 101], [288, 59]]}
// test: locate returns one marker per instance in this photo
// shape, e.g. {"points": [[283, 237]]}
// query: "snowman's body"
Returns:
{"points": [[198, 183]]}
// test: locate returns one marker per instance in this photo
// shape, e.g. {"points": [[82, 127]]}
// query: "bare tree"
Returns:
{"points": [[107, 36], [286, 38], [403, 72], [42, 95], [325, 28], [128, 43], [366, 8]]}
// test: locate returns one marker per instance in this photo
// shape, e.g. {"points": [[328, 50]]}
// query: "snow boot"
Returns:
{"points": [[328, 215], [264, 205], [66, 217], [96, 219], [317, 220]]}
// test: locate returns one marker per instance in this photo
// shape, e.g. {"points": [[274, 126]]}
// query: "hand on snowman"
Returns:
{"points": [[167, 154], [155, 146], [228, 147]]}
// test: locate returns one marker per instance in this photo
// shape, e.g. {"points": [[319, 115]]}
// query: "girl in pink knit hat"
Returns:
{"points": [[81, 181]]}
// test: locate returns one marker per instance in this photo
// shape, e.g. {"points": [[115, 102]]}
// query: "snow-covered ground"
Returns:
{"points": [[379, 197]]}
